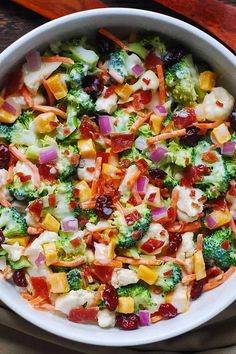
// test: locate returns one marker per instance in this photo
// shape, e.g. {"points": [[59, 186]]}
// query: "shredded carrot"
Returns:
{"points": [[113, 263], [168, 128], [34, 230], [139, 261], [162, 90], [173, 203], [216, 278], [35, 301], [199, 241], [165, 136], [11, 169], [90, 204], [26, 295], [133, 178], [51, 98], [139, 122], [46, 109], [98, 168], [113, 38], [120, 208], [104, 73], [172, 259], [181, 227], [76, 262], [207, 126], [156, 318], [136, 195], [188, 279], [27, 96], [4, 202], [98, 296], [233, 226], [57, 59], [225, 277]]}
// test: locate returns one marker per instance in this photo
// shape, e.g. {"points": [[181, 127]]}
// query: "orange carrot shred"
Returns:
{"points": [[51, 98], [225, 277], [188, 279], [4, 202], [76, 262], [156, 318], [139, 122], [162, 90], [57, 59], [199, 241], [113, 38], [139, 261], [173, 203], [165, 136], [27, 96], [45, 109]]}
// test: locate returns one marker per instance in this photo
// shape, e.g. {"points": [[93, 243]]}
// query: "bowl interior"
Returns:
{"points": [[203, 46]]}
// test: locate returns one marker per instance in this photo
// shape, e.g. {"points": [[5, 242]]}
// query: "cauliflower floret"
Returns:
{"points": [[157, 232], [189, 204], [106, 318], [122, 277], [4, 192], [124, 188], [84, 171], [92, 227], [232, 200], [75, 298], [35, 248], [157, 300], [217, 105], [179, 298], [148, 81], [3, 263], [186, 250], [108, 104], [103, 253], [14, 251], [131, 61]]}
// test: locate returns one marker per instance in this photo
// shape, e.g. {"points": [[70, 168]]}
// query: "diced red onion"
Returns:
{"points": [[40, 260], [144, 318], [70, 224], [9, 108], [211, 222], [160, 111], [158, 213], [158, 154], [141, 143], [228, 148], [137, 69], [106, 124], [48, 155], [141, 184], [33, 60]]}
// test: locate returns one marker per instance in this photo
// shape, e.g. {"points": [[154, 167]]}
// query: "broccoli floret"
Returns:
{"points": [[150, 40], [21, 263], [218, 180], [62, 210], [181, 80], [65, 249], [124, 120], [74, 280], [5, 131], [22, 131], [86, 214], [170, 182], [168, 282], [140, 294], [129, 235], [178, 155], [79, 50], [76, 73], [117, 62], [138, 49], [230, 164], [145, 130], [215, 254], [134, 154], [64, 166], [12, 222]]}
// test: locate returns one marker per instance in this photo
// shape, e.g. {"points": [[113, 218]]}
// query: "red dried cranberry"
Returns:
{"points": [[175, 240], [157, 176], [233, 120], [184, 118], [19, 278], [167, 311], [93, 85], [191, 138], [173, 56], [196, 290], [103, 206], [4, 156], [127, 322], [106, 46], [2, 238], [110, 297]]}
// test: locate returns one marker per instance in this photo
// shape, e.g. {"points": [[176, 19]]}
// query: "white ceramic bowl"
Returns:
{"points": [[223, 61]]}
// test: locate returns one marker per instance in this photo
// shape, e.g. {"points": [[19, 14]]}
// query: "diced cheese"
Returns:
{"points": [[220, 134], [35, 247], [122, 277], [23, 241], [156, 123], [87, 148], [58, 283], [57, 86], [199, 265], [207, 80], [111, 171], [125, 304], [50, 252], [75, 298], [50, 223], [84, 191], [147, 274]]}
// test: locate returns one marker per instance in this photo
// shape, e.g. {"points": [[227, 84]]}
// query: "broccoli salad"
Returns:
{"points": [[117, 180]]}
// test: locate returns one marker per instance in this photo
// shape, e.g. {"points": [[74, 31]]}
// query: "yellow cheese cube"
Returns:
{"points": [[58, 283], [6, 117], [111, 171], [147, 274], [50, 223], [199, 265], [124, 91], [156, 123], [50, 252], [22, 240], [57, 86], [207, 80], [221, 217], [220, 134], [86, 148], [113, 158], [42, 122], [84, 191], [125, 304]]}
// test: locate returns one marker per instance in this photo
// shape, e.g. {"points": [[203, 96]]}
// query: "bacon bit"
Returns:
{"points": [[137, 103], [109, 91], [90, 169], [136, 196], [57, 59], [164, 192], [225, 277], [210, 156], [173, 204], [73, 204], [233, 226], [157, 318], [11, 169], [76, 262], [121, 141], [188, 279], [4, 202], [139, 261], [46, 109], [166, 136], [139, 122], [214, 271], [225, 245], [52, 200], [51, 98], [66, 131], [146, 81], [54, 124], [199, 242], [113, 38], [76, 193], [27, 96], [136, 234], [74, 159], [152, 197], [192, 193], [182, 227], [168, 273], [162, 90], [220, 104], [23, 178], [34, 230]]}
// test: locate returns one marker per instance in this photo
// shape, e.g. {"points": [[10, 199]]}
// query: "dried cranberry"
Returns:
{"points": [[196, 290], [167, 311], [173, 56], [4, 156], [2, 238], [103, 206], [175, 240], [191, 138], [233, 120], [157, 176], [110, 297], [127, 322], [93, 85], [105, 45], [184, 118], [19, 278]]}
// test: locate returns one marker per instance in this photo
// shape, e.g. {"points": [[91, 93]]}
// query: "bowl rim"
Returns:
{"points": [[29, 315]]}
